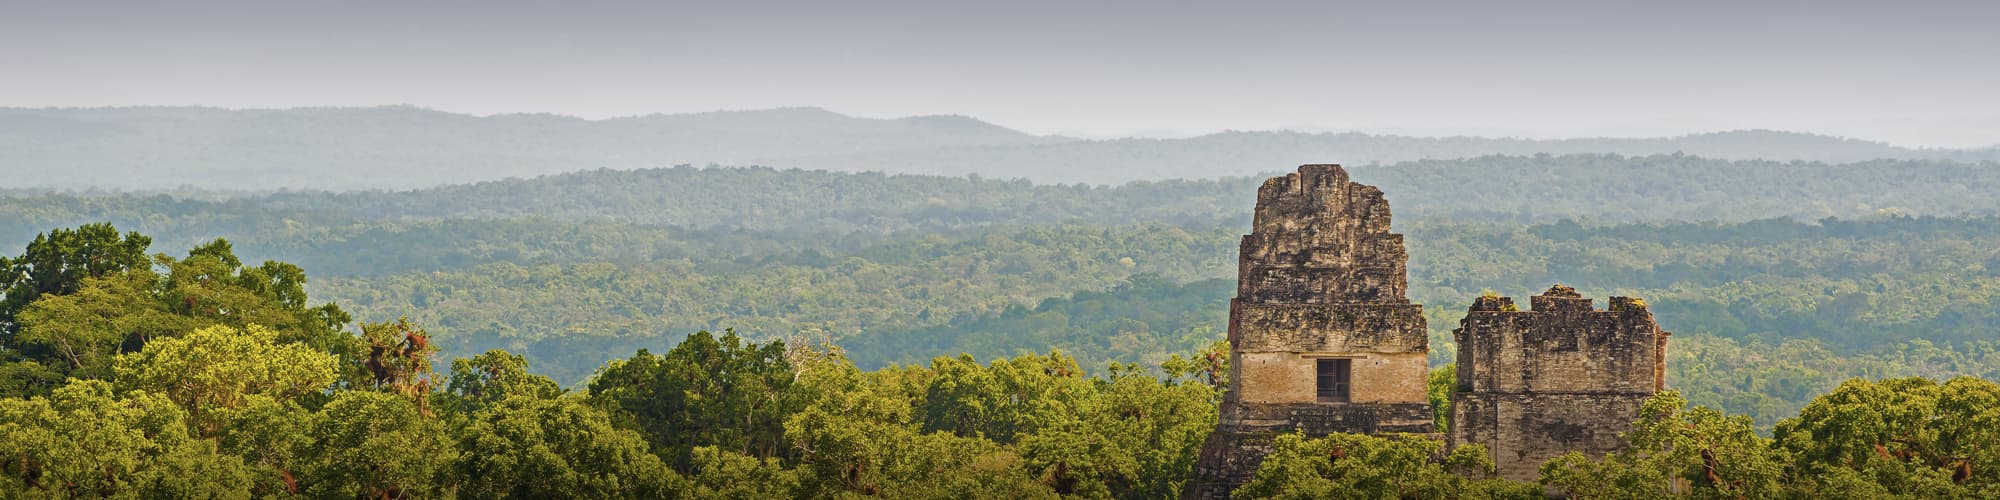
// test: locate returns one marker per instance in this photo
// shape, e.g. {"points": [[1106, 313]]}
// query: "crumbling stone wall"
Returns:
{"points": [[1320, 277], [1559, 377]]}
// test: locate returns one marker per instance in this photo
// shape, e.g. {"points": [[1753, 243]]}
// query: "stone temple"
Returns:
{"points": [[1323, 340], [1559, 377]]}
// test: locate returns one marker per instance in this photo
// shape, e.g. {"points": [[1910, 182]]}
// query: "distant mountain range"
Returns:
{"points": [[401, 147]]}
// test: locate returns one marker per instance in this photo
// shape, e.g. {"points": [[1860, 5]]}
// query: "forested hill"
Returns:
{"points": [[404, 147], [1606, 188], [1247, 153]]}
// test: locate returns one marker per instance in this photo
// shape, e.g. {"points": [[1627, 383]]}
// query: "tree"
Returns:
{"points": [[1130, 436], [1910, 435], [1362, 466], [1675, 449], [727, 474], [83, 440], [86, 296], [399, 360], [213, 286], [57, 263], [220, 368], [1210, 365], [999, 401], [493, 376], [79, 333], [1442, 382], [275, 438], [857, 437], [532, 447], [377, 445], [704, 392]]}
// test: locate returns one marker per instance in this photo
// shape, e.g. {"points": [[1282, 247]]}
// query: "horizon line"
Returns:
{"points": [[1073, 136]]}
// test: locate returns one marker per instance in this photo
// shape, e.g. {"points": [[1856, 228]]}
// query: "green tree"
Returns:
{"points": [[81, 332], [1361, 466], [1130, 436], [213, 286], [377, 445], [220, 368], [57, 262], [727, 474], [533, 447], [704, 392], [999, 401], [1442, 382], [857, 437], [274, 437], [493, 376], [1909, 435], [1673, 449], [83, 440]]}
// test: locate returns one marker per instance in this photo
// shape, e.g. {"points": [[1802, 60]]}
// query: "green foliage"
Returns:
{"points": [[1771, 382], [377, 444], [96, 297], [724, 474], [1912, 436], [1906, 438], [570, 271], [1209, 365], [276, 438], [1438, 387], [568, 317], [704, 392], [220, 368], [532, 447], [58, 262], [1360, 466], [998, 402], [1030, 426], [1135, 437], [84, 440], [493, 376], [857, 438], [212, 285], [80, 333], [1674, 449]]}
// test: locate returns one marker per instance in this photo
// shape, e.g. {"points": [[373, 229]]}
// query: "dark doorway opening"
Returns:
{"points": [[1333, 380]]}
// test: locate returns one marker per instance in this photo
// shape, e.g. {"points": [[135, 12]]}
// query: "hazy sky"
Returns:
{"points": [[1912, 73]]}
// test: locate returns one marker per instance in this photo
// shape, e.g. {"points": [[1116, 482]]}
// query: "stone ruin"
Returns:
{"points": [[1321, 336], [1323, 340], [1558, 377]]}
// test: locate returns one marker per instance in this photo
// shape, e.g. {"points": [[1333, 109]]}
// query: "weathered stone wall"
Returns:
{"points": [[1320, 277], [1521, 431], [1286, 377], [1278, 327], [1559, 377]]}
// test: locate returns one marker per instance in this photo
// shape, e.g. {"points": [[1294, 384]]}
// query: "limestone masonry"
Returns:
{"points": [[1559, 377], [1323, 340]]}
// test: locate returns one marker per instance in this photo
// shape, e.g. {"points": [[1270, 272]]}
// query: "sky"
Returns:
{"points": [[1912, 73]]}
